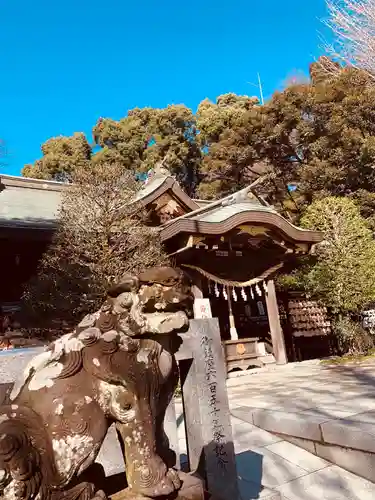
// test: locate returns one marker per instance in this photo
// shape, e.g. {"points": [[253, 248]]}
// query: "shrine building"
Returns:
{"points": [[231, 248]]}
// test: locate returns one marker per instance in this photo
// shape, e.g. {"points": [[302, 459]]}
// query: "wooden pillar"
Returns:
{"points": [[277, 334], [232, 324]]}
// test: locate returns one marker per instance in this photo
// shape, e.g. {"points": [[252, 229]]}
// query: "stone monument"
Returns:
{"points": [[116, 367]]}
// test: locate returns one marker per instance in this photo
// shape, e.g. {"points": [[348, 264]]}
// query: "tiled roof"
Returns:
{"points": [[28, 202], [150, 187], [32, 203], [242, 207], [35, 203], [221, 213]]}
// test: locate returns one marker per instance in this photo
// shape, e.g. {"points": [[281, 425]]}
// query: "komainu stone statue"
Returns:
{"points": [[116, 367]]}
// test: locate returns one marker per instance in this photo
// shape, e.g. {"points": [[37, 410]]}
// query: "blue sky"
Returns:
{"points": [[65, 64]]}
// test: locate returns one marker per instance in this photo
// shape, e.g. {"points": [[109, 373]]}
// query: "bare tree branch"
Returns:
{"points": [[102, 235], [353, 25]]}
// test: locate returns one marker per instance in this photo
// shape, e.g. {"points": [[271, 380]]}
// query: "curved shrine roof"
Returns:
{"points": [[158, 185], [220, 217], [32, 203], [224, 219]]}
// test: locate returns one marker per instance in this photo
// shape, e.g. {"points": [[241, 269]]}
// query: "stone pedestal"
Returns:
{"points": [[191, 489], [206, 410]]}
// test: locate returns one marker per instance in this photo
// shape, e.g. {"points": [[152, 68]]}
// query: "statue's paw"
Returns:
{"points": [[162, 488], [99, 495], [170, 483], [172, 474]]}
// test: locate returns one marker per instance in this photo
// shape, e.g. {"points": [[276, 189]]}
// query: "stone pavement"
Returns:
{"points": [[271, 468], [310, 388], [268, 467]]}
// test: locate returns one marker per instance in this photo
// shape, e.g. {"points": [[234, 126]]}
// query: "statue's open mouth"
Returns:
{"points": [[166, 322], [163, 310], [181, 303]]}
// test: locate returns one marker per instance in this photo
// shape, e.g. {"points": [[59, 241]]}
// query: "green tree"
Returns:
{"points": [[230, 160], [61, 157], [320, 136], [341, 155], [148, 136], [343, 274], [136, 142]]}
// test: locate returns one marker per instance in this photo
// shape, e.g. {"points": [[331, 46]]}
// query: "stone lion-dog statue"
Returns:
{"points": [[114, 368]]}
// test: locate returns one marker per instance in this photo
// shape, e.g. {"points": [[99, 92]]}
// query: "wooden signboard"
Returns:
{"points": [[202, 308]]}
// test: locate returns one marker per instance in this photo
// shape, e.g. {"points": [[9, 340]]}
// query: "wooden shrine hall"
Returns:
{"points": [[231, 248]]}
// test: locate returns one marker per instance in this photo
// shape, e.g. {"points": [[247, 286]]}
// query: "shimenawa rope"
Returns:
{"points": [[231, 283]]}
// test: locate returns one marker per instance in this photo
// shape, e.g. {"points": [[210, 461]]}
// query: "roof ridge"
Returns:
{"points": [[225, 201], [31, 183]]}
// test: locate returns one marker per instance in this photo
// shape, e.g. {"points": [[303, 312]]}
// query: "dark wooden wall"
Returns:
{"points": [[19, 257]]}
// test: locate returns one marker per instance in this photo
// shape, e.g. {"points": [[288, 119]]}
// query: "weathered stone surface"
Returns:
{"points": [[4, 391], [366, 417], [261, 466], [252, 491], [331, 483], [350, 434], [289, 423], [305, 444], [244, 413], [297, 456], [60, 409], [191, 489], [246, 436], [216, 448], [295, 388], [170, 428], [356, 461]]}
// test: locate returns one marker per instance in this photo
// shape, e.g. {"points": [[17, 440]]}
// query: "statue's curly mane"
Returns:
{"points": [[111, 350]]}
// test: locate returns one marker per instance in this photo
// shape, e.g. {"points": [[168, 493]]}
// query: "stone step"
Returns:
{"points": [[271, 468], [289, 471], [346, 442]]}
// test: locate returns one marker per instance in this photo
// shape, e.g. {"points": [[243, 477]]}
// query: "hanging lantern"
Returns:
{"points": [[243, 294], [234, 294]]}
